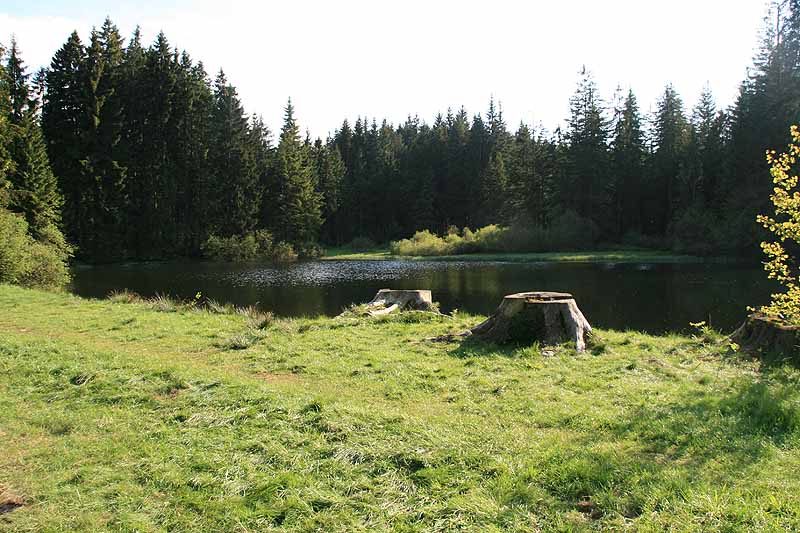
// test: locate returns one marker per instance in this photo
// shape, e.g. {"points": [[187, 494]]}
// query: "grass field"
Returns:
{"points": [[148, 416], [617, 256]]}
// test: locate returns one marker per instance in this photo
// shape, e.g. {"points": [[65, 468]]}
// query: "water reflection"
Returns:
{"points": [[650, 297]]}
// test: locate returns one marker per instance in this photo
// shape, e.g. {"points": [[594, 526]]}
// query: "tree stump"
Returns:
{"points": [[768, 335], [548, 317], [388, 300]]}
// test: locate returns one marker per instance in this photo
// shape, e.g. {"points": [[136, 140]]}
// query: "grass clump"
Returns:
{"points": [[124, 296], [242, 340], [200, 421]]}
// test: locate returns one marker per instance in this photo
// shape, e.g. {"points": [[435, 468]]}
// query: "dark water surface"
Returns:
{"points": [[639, 296]]}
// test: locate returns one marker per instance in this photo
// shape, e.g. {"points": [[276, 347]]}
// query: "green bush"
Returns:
{"points": [[256, 246], [695, 232], [265, 242], [231, 248], [13, 247], [309, 250], [422, 243], [283, 251], [568, 231], [637, 239], [361, 244], [30, 262]]}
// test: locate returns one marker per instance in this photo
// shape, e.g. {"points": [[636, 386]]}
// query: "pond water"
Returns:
{"points": [[639, 296]]}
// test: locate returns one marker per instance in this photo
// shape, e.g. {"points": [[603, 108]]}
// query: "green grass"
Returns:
{"points": [[115, 416], [618, 256], [346, 253]]}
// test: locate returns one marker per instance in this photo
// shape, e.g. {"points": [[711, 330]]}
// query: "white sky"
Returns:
{"points": [[347, 58]]}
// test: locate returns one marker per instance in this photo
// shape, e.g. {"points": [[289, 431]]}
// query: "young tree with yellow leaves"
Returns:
{"points": [[785, 225]]}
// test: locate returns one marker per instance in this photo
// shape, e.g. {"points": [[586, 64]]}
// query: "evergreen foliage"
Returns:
{"points": [[33, 252], [147, 157], [300, 216]]}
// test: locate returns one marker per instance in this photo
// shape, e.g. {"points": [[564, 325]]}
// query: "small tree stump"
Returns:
{"points": [[388, 300], [549, 317], [764, 334]]}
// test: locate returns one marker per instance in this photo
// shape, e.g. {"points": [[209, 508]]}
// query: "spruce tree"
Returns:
{"points": [[709, 127], [35, 191], [456, 193], [151, 184], [585, 189], [17, 83], [232, 157], [627, 166], [330, 171], [300, 204], [669, 171], [478, 160], [493, 191], [6, 163], [63, 121]]}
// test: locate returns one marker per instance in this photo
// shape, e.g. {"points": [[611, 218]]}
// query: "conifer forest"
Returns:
{"points": [[134, 151]]}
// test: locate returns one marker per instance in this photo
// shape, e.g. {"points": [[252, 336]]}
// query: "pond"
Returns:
{"points": [[638, 296]]}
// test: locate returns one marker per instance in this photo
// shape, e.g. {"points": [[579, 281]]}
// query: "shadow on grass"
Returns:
{"points": [[741, 425], [474, 347]]}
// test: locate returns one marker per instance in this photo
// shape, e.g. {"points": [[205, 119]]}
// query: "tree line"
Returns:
{"points": [[136, 152]]}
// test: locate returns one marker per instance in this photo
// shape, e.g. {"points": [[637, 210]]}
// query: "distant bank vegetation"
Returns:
{"points": [[259, 245], [569, 231]]}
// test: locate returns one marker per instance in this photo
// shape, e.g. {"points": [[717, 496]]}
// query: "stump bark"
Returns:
{"points": [[548, 317], [388, 300], [768, 335]]}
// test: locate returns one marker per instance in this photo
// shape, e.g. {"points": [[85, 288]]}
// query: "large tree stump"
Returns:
{"points": [[388, 300], [768, 335], [548, 317]]}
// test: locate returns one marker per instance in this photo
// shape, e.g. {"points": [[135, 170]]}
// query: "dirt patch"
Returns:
{"points": [[9, 501], [171, 395], [588, 507]]}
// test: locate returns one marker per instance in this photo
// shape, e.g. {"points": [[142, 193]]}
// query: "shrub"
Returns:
{"points": [[13, 247], [231, 248], [309, 250], [568, 231], [283, 251], [422, 243], [490, 238], [46, 267], [571, 231], [694, 232], [265, 242], [529, 238], [361, 244], [636, 239], [30, 262], [258, 245]]}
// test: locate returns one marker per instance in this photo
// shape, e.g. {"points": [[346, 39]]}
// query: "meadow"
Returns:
{"points": [[132, 415]]}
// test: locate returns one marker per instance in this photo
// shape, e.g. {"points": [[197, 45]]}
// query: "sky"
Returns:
{"points": [[349, 58]]}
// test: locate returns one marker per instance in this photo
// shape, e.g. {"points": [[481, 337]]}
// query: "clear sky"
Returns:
{"points": [[376, 58]]}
